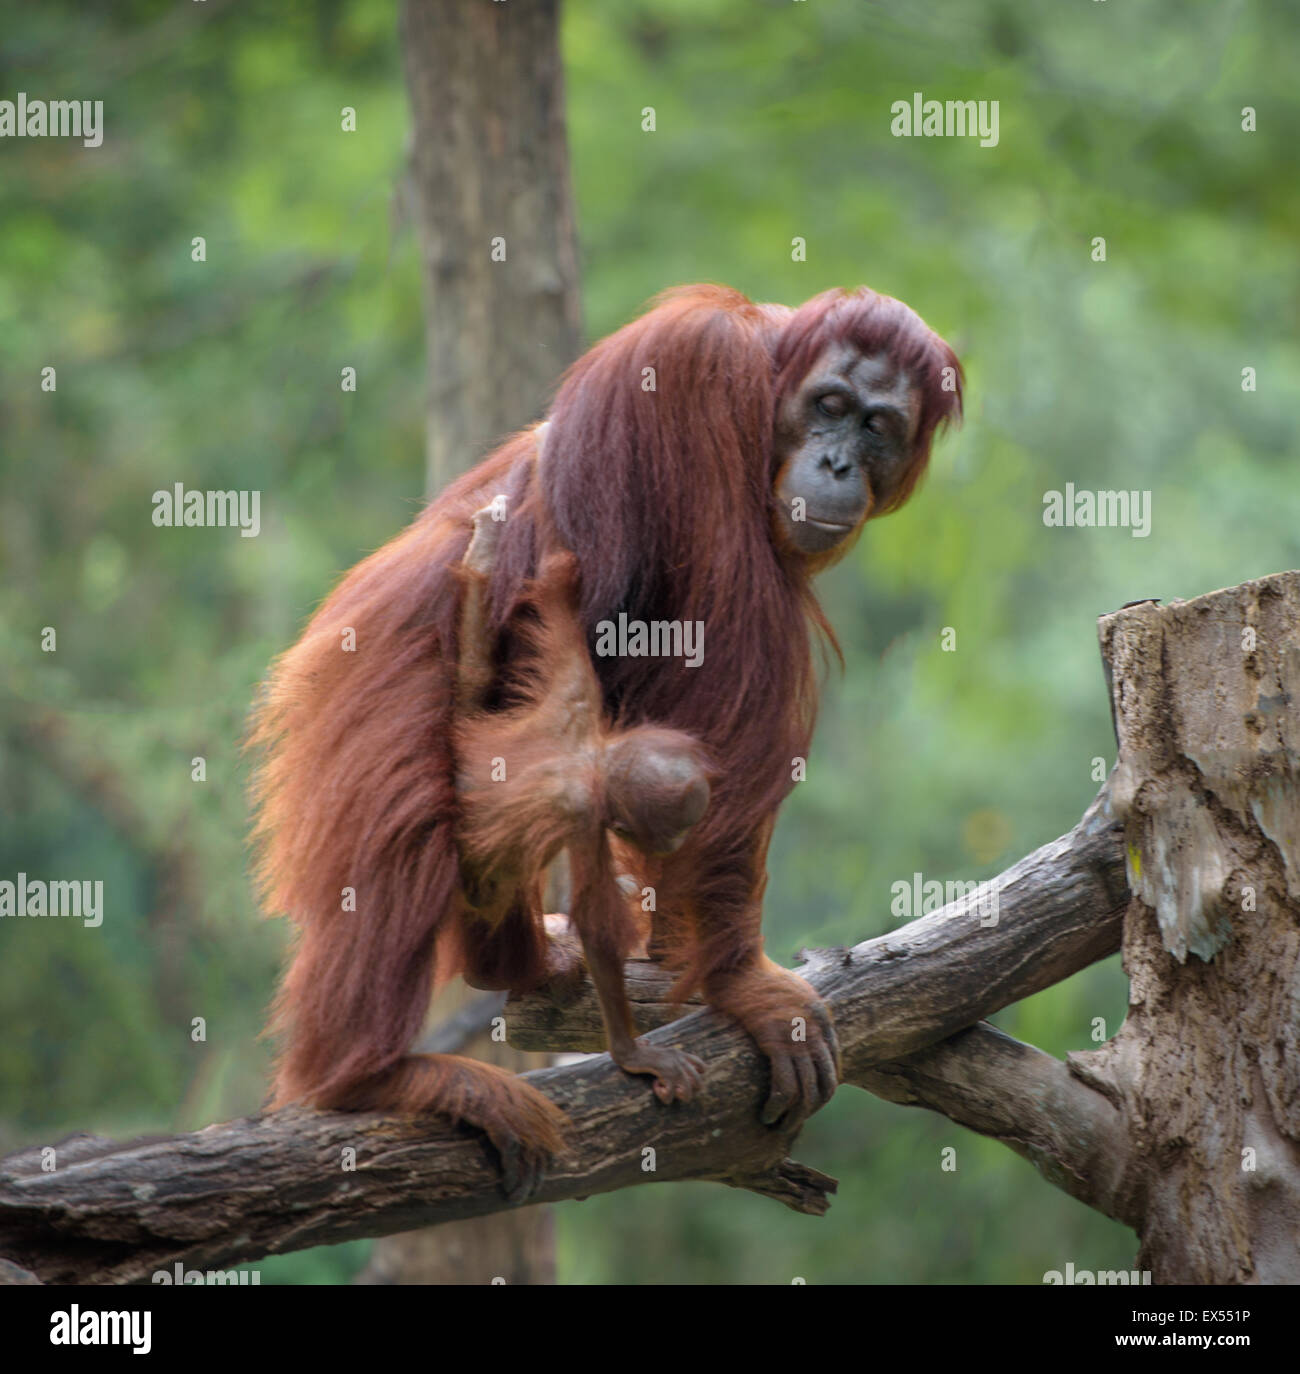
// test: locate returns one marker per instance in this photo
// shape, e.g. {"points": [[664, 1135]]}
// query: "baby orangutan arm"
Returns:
{"points": [[474, 659]]}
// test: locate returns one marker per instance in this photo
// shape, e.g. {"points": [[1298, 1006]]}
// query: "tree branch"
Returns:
{"points": [[293, 1179]]}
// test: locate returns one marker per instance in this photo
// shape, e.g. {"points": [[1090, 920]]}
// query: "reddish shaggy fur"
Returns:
{"points": [[547, 774], [664, 497]]}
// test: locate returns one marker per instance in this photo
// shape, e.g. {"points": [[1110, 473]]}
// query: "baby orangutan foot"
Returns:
{"points": [[677, 1074]]}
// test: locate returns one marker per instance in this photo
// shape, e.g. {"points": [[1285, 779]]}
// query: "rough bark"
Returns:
{"points": [[489, 161], [1205, 1069]]}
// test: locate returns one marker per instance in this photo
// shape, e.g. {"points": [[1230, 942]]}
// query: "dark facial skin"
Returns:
{"points": [[844, 439]]}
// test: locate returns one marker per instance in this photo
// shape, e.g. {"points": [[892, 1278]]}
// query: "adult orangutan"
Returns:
{"points": [[701, 464]]}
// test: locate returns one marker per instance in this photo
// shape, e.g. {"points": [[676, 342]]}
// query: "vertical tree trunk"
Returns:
{"points": [[490, 167], [1206, 1069], [490, 183]]}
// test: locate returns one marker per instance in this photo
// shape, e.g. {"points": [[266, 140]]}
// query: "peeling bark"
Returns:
{"points": [[1207, 710]]}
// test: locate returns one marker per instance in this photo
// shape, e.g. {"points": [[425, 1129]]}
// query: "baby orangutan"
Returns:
{"points": [[544, 774]]}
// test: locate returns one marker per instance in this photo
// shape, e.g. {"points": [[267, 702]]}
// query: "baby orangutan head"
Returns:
{"points": [[656, 787]]}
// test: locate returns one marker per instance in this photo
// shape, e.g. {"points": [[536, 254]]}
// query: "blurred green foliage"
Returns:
{"points": [[772, 121]]}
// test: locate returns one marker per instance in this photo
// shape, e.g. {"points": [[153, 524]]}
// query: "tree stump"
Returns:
{"points": [[1205, 1070]]}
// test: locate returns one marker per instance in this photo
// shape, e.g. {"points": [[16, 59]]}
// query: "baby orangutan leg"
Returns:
{"points": [[677, 1074]]}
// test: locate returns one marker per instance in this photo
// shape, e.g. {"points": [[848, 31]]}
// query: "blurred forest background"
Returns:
{"points": [[773, 121]]}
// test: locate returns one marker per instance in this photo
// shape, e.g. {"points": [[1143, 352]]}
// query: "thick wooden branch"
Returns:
{"points": [[293, 1179], [296, 1178]]}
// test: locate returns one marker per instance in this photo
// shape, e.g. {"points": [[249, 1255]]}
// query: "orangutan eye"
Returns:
{"points": [[876, 423], [833, 404]]}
